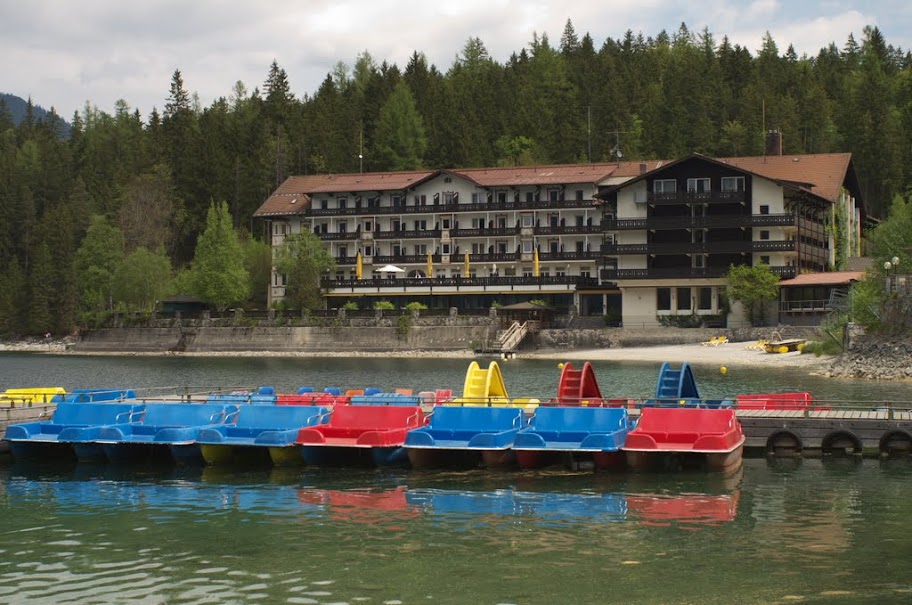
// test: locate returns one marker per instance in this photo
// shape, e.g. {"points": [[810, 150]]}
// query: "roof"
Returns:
{"points": [[832, 278], [819, 174], [825, 173]]}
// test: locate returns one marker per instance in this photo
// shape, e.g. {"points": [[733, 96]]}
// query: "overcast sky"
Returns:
{"points": [[63, 53]]}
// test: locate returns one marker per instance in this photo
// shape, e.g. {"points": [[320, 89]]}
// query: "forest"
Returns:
{"points": [[87, 220]]}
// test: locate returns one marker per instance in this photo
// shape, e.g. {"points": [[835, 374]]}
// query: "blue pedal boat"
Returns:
{"points": [[164, 430], [458, 435], [56, 437], [558, 434], [262, 431]]}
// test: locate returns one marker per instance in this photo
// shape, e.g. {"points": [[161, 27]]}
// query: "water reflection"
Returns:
{"points": [[391, 499]]}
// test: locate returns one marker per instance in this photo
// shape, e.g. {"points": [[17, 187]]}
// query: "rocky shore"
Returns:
{"points": [[874, 359]]}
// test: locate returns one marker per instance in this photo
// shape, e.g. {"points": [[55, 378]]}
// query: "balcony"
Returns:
{"points": [[485, 232], [568, 230], [446, 208], [695, 197], [408, 234], [737, 247], [667, 223], [560, 283], [569, 255], [683, 273]]}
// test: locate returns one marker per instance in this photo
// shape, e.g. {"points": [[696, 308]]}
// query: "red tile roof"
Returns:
{"points": [[824, 172], [833, 278], [821, 174]]}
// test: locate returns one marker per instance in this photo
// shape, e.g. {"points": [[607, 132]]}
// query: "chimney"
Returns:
{"points": [[773, 142], [644, 168]]}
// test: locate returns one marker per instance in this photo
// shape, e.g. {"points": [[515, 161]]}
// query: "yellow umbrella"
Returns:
{"points": [[535, 268], [359, 269], [467, 263], [430, 266]]}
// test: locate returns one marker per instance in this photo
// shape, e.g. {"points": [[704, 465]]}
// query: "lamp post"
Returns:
{"points": [[890, 268]]}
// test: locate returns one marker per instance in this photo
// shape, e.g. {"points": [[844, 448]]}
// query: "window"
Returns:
{"points": [[368, 250], [324, 204], [501, 247], [764, 234], [663, 299], [396, 225], [527, 246], [580, 221], [765, 260], [446, 248], [527, 221], [421, 225], [765, 209], [478, 249], [449, 197], [698, 185], [580, 247], [530, 197], [501, 197], [436, 200], [699, 236], [368, 226], [343, 251], [698, 261], [732, 183], [477, 199], [553, 220], [420, 248], [478, 223], [704, 299], [579, 195], [343, 202], [554, 246], [684, 303], [447, 222], [553, 195], [343, 228], [664, 186], [585, 272]]}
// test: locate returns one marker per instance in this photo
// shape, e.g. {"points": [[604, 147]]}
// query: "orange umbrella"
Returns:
{"points": [[536, 270], [359, 268], [466, 263], [430, 265]]}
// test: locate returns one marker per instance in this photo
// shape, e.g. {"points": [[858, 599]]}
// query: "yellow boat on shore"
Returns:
{"points": [[784, 346]]}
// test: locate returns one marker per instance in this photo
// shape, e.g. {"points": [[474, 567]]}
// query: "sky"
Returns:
{"points": [[64, 53]]}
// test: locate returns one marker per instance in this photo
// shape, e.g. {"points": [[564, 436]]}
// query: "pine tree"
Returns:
{"points": [[401, 141]]}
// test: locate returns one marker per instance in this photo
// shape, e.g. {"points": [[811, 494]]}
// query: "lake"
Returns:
{"points": [[778, 531]]}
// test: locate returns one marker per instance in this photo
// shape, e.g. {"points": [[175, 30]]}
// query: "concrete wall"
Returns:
{"points": [[433, 338]]}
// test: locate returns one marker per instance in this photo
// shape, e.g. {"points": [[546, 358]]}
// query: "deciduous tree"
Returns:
{"points": [[304, 260], [219, 276]]}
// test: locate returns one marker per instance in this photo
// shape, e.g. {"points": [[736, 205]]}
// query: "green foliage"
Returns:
{"points": [[400, 136], [384, 305], [258, 263], [403, 326], [416, 306], [219, 276], [303, 259], [96, 261], [753, 287], [142, 279], [350, 306]]}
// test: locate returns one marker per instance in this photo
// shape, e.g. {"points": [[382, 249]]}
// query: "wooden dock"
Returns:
{"points": [[880, 432]]}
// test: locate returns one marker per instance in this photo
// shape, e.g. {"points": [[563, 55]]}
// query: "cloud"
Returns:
{"points": [[63, 53]]}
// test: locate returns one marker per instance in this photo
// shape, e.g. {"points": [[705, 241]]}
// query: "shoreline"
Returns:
{"points": [[731, 354]]}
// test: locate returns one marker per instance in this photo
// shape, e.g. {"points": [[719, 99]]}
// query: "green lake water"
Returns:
{"points": [[789, 531]]}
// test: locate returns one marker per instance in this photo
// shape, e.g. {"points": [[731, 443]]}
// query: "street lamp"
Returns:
{"points": [[890, 268]]}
